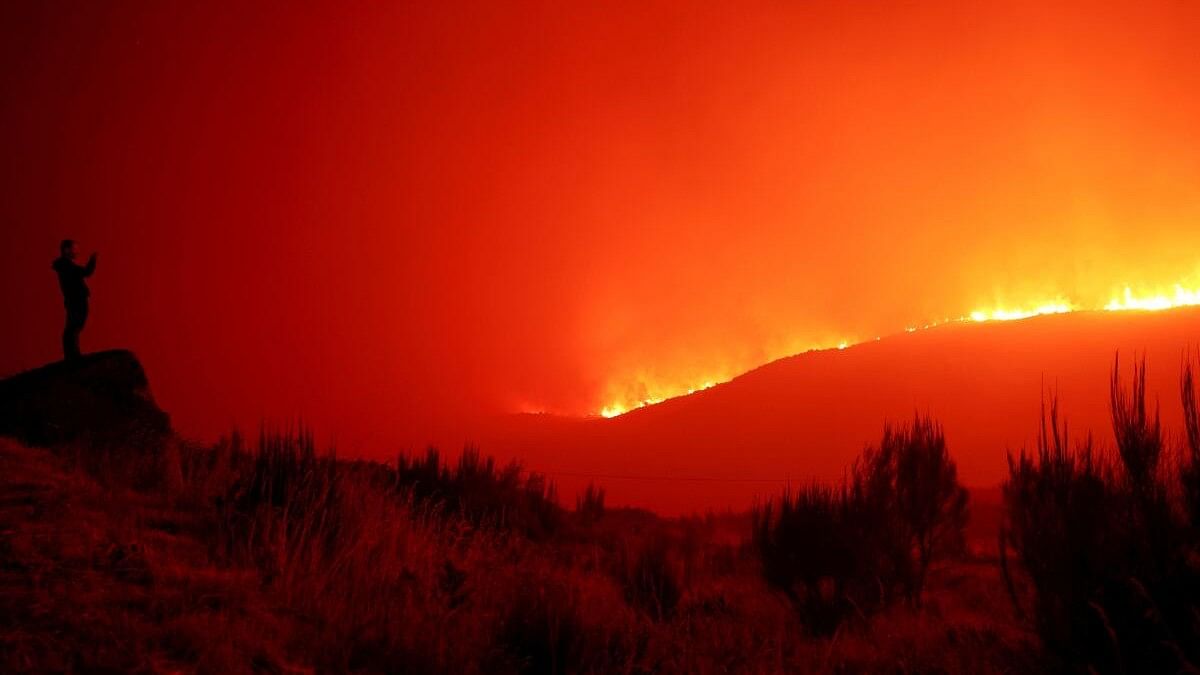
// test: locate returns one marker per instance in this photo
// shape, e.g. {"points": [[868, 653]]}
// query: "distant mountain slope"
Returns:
{"points": [[807, 416]]}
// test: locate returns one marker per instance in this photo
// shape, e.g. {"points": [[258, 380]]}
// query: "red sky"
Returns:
{"points": [[390, 219]]}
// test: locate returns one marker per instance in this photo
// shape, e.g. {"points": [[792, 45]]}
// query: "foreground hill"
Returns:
{"points": [[807, 416], [204, 573]]}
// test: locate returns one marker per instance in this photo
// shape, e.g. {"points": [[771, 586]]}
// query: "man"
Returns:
{"points": [[75, 295]]}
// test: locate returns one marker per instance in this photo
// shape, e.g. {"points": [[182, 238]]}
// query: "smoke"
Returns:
{"points": [[392, 221]]}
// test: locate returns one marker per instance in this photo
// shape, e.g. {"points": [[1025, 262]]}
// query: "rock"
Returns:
{"points": [[99, 398]]}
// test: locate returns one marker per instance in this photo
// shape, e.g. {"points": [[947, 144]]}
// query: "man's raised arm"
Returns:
{"points": [[90, 267]]}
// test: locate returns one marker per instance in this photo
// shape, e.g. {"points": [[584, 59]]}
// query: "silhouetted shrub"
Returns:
{"points": [[589, 505], [283, 499], [285, 471], [542, 630], [650, 579], [475, 489], [807, 541], [1061, 523], [1138, 435], [836, 549], [1190, 464], [550, 624], [930, 503], [1110, 562]]}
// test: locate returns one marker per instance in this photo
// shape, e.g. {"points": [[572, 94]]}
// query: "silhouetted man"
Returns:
{"points": [[75, 295]]}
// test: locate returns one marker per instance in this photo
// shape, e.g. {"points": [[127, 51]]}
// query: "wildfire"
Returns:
{"points": [[1056, 307], [1126, 300], [615, 409], [1182, 297]]}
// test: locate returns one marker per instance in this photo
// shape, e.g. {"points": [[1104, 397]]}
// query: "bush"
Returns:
{"points": [[283, 501], [1108, 557], [474, 489], [589, 505], [1059, 520], [650, 579], [1190, 468], [834, 550], [542, 631], [810, 551], [914, 476], [557, 621]]}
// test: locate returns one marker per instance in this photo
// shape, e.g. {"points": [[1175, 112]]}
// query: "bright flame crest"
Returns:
{"points": [[1126, 300]]}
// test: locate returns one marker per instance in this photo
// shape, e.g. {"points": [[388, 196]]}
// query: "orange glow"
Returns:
{"points": [[1127, 300], [1180, 297], [1058, 306], [620, 407], [401, 220]]}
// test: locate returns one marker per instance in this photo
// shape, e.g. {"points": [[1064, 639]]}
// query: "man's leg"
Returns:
{"points": [[76, 317], [70, 342]]}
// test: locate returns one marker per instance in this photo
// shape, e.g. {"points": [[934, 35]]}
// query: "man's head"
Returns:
{"points": [[67, 249]]}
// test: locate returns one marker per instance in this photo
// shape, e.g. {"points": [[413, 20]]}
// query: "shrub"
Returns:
{"points": [[542, 630], [809, 550], [931, 505], [650, 579], [589, 505], [283, 501], [831, 550], [1107, 555], [1138, 435], [1059, 520], [560, 621], [476, 490], [909, 503], [1190, 465]]}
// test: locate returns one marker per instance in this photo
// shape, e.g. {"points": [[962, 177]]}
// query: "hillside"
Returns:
{"points": [[199, 574], [275, 557], [807, 416]]}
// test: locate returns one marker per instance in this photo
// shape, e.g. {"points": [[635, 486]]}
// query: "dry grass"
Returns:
{"points": [[280, 559]]}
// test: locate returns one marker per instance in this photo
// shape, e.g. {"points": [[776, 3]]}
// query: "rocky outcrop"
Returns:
{"points": [[99, 398]]}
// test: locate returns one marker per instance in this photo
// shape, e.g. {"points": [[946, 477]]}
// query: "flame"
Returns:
{"points": [[1126, 300], [1058, 306], [610, 411], [1182, 297], [614, 409]]}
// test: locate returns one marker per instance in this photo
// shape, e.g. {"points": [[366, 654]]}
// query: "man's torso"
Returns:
{"points": [[71, 281]]}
